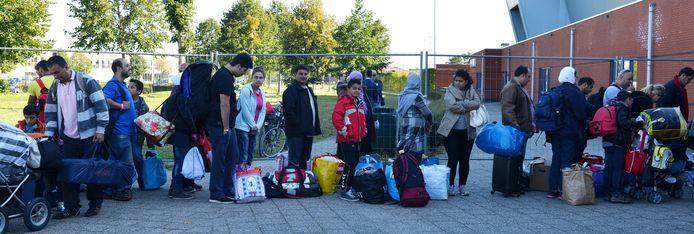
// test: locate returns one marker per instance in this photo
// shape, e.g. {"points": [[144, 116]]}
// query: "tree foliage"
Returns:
{"points": [[310, 31], [463, 59], [129, 26], [179, 14], [139, 66], [77, 61], [361, 33], [163, 66], [23, 24], [206, 36], [248, 27]]}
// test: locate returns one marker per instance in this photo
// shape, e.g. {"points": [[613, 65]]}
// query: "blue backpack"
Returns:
{"points": [[548, 112]]}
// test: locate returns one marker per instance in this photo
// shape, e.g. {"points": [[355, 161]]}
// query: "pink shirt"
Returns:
{"points": [[67, 102], [258, 103]]}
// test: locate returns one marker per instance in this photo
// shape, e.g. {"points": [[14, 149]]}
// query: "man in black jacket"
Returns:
{"points": [[300, 108], [676, 96]]}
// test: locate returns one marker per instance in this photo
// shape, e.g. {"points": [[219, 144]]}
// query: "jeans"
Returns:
{"points": [[614, 169], [458, 148], [80, 149], [120, 147], [137, 160], [350, 155], [225, 155], [246, 143], [300, 151], [563, 151], [176, 176]]}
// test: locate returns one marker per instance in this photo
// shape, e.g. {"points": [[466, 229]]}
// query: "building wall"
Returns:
{"points": [[618, 33], [445, 72]]}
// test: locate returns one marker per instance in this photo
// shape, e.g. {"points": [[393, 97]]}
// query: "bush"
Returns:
{"points": [[24, 87], [4, 85]]}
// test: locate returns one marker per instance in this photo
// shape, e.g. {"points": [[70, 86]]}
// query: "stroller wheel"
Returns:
{"points": [[37, 214], [677, 193], [3, 221], [655, 197]]}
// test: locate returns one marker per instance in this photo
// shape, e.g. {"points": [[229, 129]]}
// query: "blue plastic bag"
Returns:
{"points": [[368, 161], [154, 174], [390, 180], [498, 139], [430, 161]]}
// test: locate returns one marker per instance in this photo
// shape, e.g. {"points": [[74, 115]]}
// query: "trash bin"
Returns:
{"points": [[386, 134]]}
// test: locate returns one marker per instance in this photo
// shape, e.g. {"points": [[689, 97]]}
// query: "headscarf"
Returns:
{"points": [[357, 75], [567, 74], [409, 94]]}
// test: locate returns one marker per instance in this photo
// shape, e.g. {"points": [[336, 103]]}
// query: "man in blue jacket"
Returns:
{"points": [[573, 121]]}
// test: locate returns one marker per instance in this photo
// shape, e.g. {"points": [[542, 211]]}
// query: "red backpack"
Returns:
{"points": [[604, 122], [42, 99], [410, 181]]}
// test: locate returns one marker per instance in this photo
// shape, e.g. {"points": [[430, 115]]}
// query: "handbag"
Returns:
{"points": [[155, 128], [635, 160], [479, 117]]}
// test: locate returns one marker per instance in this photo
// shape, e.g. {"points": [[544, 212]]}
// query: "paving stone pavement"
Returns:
{"points": [[153, 212]]}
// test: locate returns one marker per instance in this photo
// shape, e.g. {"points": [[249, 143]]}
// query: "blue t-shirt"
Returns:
{"points": [[125, 124]]}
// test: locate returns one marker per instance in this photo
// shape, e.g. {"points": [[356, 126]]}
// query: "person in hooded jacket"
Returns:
{"points": [[349, 120], [415, 118], [573, 124]]}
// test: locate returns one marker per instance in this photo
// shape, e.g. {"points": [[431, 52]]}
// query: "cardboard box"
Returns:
{"points": [[539, 177]]}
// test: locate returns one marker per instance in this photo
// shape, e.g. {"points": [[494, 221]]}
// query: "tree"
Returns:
{"points": [[81, 62], [163, 66], [179, 13], [128, 26], [460, 59], [310, 31], [22, 24], [361, 33], [139, 66], [206, 36]]}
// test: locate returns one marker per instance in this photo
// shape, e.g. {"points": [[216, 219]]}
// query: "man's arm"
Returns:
{"points": [[289, 107], [111, 90], [96, 96], [225, 109], [508, 106]]}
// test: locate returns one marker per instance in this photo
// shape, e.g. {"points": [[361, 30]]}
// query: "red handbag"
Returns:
{"points": [[635, 160]]}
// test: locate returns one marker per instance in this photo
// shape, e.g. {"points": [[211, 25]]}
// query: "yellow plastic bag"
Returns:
{"points": [[328, 171]]}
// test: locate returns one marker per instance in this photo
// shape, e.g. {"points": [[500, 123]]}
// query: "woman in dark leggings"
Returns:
{"points": [[460, 99]]}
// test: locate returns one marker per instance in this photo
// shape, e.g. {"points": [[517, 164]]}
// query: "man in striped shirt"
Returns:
{"points": [[76, 113]]}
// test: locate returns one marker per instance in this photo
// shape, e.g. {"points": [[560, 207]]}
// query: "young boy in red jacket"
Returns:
{"points": [[349, 120]]}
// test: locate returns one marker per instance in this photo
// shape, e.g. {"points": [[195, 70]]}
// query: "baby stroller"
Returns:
{"points": [[18, 195]]}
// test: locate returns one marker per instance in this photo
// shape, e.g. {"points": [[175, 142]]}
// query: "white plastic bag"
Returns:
{"points": [[436, 180], [193, 167]]}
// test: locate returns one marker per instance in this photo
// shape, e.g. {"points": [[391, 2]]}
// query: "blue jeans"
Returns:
{"points": [[563, 151], [614, 169], [137, 160], [120, 147], [246, 143], [80, 149], [176, 176], [225, 155]]}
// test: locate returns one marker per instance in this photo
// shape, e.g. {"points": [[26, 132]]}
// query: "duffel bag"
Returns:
{"points": [[298, 183], [97, 170], [369, 183], [665, 123], [272, 189], [499, 139]]}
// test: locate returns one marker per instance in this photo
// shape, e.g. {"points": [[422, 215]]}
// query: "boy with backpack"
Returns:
{"points": [[616, 149], [349, 120]]}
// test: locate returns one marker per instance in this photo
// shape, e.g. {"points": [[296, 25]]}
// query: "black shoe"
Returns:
{"points": [[189, 189], [197, 187], [92, 211], [180, 195], [122, 196], [223, 200], [66, 214]]}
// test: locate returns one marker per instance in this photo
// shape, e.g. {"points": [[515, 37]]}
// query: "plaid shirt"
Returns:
{"points": [[413, 126]]}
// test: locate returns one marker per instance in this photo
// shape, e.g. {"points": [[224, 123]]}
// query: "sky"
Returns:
{"points": [[461, 25]]}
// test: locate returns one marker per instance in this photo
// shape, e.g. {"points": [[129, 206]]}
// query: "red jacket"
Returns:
{"points": [[345, 114]]}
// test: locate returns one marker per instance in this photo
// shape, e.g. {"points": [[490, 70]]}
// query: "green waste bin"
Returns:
{"points": [[386, 134]]}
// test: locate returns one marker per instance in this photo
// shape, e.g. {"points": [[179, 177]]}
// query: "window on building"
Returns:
{"points": [[544, 79]]}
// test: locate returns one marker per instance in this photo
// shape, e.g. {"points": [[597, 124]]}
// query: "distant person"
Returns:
{"points": [[349, 120], [31, 123], [136, 87], [251, 116], [517, 106], [646, 98], [301, 121], [585, 84], [459, 137], [121, 134], [374, 88], [415, 118], [624, 80], [176, 79], [38, 89], [220, 122], [81, 135]]}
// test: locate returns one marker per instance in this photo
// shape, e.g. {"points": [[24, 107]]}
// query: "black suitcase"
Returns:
{"points": [[506, 175]]}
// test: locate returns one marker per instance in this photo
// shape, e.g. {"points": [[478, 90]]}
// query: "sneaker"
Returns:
{"points": [[553, 195], [180, 195], [122, 196], [348, 196], [622, 199], [451, 190], [223, 200], [461, 189], [92, 211], [66, 214]]}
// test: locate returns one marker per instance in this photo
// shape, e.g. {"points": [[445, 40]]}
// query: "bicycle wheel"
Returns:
{"points": [[273, 142]]}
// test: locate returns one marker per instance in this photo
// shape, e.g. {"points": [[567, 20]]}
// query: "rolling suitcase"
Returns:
{"points": [[506, 174]]}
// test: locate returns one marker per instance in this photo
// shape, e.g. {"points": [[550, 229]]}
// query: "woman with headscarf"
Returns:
{"points": [[415, 118], [366, 143], [573, 122]]}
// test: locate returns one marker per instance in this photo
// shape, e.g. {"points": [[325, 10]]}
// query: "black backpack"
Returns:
{"points": [[189, 102], [369, 183]]}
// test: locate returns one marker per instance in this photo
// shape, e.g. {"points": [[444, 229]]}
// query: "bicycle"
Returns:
{"points": [[274, 139]]}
